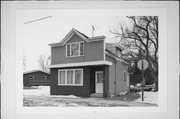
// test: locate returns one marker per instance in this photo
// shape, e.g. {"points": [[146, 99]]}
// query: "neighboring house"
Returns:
{"points": [[84, 66], [36, 78]]}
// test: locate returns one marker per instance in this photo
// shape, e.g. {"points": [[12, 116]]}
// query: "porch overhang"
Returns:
{"points": [[80, 64]]}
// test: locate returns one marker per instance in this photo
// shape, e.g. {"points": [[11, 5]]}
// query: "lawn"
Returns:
{"points": [[39, 96]]}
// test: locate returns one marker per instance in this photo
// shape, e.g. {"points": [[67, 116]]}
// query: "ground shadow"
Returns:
{"points": [[128, 97]]}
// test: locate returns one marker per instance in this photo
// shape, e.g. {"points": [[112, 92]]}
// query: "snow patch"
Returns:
{"points": [[122, 93], [149, 97], [44, 91], [65, 96]]}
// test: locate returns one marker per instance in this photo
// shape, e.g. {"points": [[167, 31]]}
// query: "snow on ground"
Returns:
{"points": [[37, 90], [43, 91], [149, 97], [40, 96]]}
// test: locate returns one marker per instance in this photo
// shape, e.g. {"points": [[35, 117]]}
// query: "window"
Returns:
{"points": [[31, 77], [78, 76], [118, 53], [68, 50], [61, 77], [75, 49], [71, 77], [82, 48], [125, 76], [43, 77]]}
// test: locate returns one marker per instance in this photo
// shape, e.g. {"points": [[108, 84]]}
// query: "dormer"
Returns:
{"points": [[115, 49], [77, 47]]}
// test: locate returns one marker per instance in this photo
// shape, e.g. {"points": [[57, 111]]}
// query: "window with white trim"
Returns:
{"points": [[71, 77], [75, 49]]}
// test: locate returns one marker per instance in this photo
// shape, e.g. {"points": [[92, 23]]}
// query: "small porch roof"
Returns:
{"points": [[80, 64]]}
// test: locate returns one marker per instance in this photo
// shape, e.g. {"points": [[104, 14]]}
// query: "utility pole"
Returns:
{"points": [[143, 81], [142, 65], [37, 19]]}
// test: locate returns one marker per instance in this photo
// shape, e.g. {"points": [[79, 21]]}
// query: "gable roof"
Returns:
{"points": [[32, 71], [110, 51], [110, 46], [81, 35], [112, 55]]}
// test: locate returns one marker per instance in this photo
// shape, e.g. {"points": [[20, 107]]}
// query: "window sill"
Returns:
{"points": [[74, 56], [70, 85]]}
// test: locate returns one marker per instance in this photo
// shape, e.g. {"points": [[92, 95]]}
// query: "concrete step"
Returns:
{"points": [[97, 95]]}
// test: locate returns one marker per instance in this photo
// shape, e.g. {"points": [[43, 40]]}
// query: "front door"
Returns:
{"points": [[99, 81]]}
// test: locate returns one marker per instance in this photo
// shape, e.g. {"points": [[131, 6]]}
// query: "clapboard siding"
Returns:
{"points": [[38, 78]]}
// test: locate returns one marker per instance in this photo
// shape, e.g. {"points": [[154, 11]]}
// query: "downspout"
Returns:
{"points": [[115, 79]]}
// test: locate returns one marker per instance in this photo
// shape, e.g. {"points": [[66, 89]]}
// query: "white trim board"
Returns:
{"points": [[80, 64], [66, 84]]}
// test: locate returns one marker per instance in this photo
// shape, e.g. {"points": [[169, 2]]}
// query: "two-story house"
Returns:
{"points": [[83, 66]]}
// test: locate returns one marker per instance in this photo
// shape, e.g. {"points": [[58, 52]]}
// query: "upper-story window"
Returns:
{"points": [[118, 53], [75, 49]]}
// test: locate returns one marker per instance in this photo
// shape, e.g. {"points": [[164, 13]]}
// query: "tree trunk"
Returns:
{"points": [[155, 77]]}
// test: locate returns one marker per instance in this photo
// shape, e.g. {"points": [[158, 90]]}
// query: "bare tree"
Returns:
{"points": [[140, 41], [44, 62]]}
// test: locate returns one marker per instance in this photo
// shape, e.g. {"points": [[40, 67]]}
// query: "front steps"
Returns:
{"points": [[97, 95]]}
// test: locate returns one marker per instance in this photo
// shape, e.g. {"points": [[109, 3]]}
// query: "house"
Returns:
{"points": [[36, 78], [83, 66]]}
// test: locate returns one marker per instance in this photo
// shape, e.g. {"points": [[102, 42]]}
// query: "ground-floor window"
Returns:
{"points": [[71, 77]]}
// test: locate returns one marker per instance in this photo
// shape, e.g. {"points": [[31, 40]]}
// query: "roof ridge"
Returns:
{"points": [[31, 71], [80, 33]]}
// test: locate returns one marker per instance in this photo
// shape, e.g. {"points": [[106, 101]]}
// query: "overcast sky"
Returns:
{"points": [[36, 36]]}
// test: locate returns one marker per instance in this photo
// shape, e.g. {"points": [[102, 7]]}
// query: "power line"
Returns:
{"points": [[37, 20]]}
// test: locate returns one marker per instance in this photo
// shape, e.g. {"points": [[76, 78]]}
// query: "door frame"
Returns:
{"points": [[96, 72]]}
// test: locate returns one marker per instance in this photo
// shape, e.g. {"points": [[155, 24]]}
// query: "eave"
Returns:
{"points": [[79, 64], [115, 57]]}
